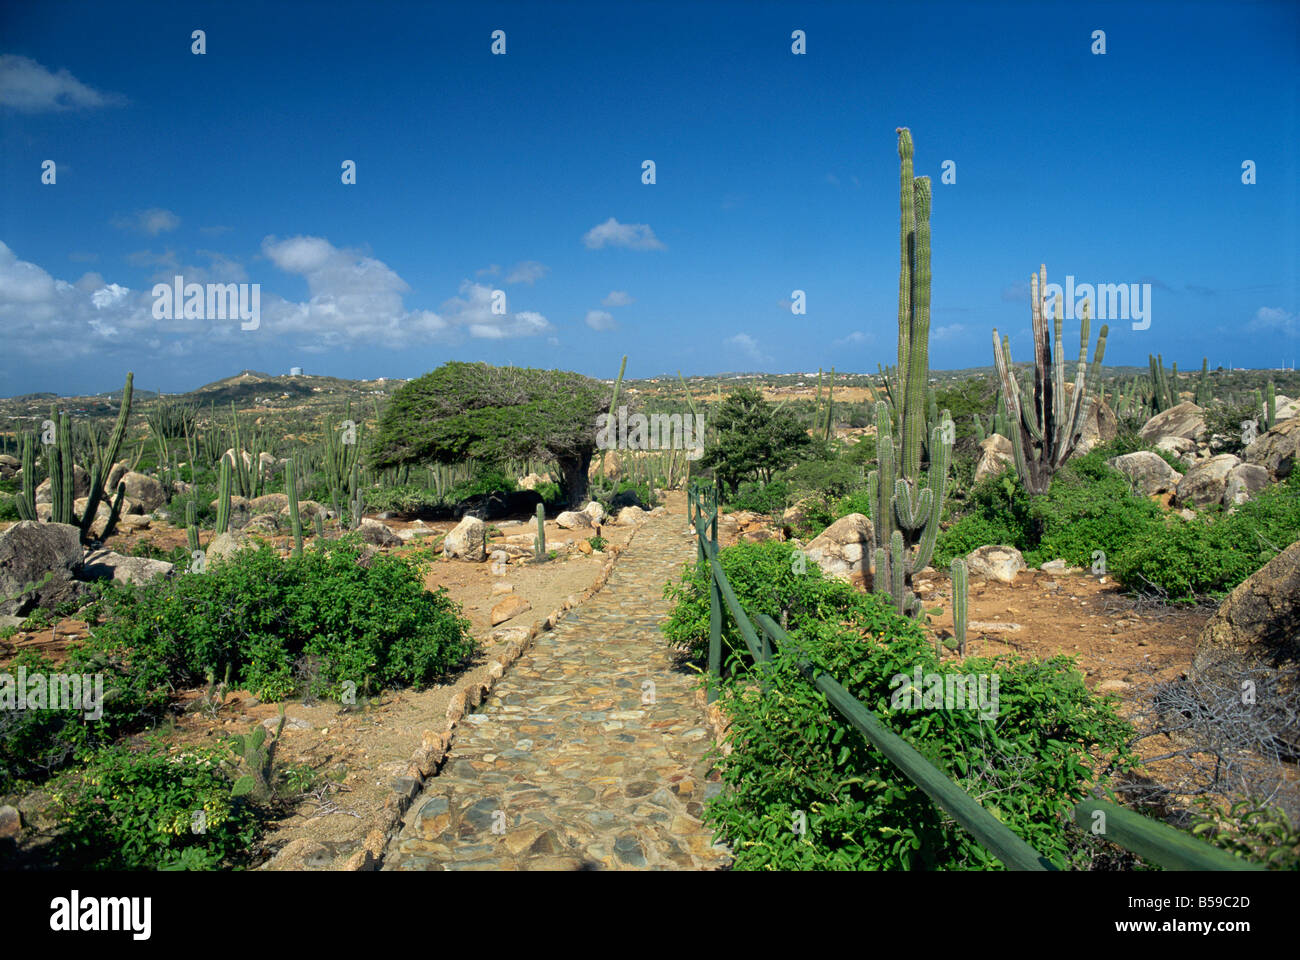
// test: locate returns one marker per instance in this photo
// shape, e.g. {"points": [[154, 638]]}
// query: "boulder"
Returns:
{"points": [[1177, 446], [128, 522], [1000, 563], [1204, 482], [266, 523], [509, 608], [573, 520], [1148, 471], [267, 464], [306, 510], [80, 485], [28, 551], [531, 481], [107, 565], [1186, 420], [11, 822], [240, 511], [1246, 480], [1285, 408], [225, 545], [996, 455], [1258, 624], [1099, 428], [115, 474], [468, 541], [844, 548], [609, 466], [1277, 450], [9, 466], [594, 511], [146, 492], [270, 503], [630, 515], [377, 534]]}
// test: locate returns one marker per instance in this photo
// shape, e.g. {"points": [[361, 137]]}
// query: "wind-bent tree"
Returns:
{"points": [[751, 439], [476, 411]]}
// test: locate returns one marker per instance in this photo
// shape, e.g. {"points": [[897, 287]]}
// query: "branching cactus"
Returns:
{"points": [[906, 512], [1046, 431], [259, 762]]}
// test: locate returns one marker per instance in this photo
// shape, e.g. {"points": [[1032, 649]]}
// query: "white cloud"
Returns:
{"points": [[1277, 320], [747, 347], [529, 272], [600, 320], [611, 233], [472, 310], [27, 86], [857, 338], [948, 332], [491, 270], [617, 298], [152, 221]]}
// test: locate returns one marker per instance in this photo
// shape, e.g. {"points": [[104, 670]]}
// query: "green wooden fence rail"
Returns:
{"points": [[1155, 842]]}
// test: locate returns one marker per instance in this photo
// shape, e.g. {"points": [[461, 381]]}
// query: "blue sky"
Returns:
{"points": [[522, 173]]}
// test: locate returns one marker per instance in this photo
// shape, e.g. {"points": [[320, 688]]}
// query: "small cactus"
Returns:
{"points": [[539, 542], [191, 526], [960, 586]]}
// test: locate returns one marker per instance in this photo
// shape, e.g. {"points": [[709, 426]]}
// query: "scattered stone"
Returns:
{"points": [[501, 587], [594, 511], [377, 534], [146, 492], [573, 520], [630, 516], [842, 549], [998, 562], [508, 608]]}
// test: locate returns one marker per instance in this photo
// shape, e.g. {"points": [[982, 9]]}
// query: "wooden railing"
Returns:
{"points": [[1155, 842]]}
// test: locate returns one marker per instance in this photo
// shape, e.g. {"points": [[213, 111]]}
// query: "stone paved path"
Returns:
{"points": [[588, 754]]}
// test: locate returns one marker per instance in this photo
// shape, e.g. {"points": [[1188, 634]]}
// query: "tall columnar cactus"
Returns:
{"points": [[1164, 393], [1203, 392], [906, 512], [223, 497], [1045, 433], [192, 526], [1270, 407], [319, 526], [26, 499], [960, 585], [539, 542], [295, 521]]}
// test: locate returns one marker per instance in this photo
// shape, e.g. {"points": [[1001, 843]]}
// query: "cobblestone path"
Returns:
{"points": [[589, 752]]}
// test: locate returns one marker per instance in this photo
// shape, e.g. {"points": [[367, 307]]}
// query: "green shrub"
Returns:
{"points": [[549, 492], [1030, 760], [1207, 557], [487, 478], [405, 498], [997, 511], [1090, 508], [8, 508], [857, 502], [764, 579], [835, 478], [151, 811], [771, 497], [371, 622]]}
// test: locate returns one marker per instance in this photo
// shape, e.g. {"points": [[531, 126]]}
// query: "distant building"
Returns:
{"points": [[295, 371]]}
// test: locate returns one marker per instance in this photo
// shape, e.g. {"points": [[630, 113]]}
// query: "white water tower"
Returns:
{"points": [[295, 371]]}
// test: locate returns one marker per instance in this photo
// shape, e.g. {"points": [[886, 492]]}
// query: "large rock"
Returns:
{"points": [[1204, 483], [107, 565], [265, 523], [573, 520], [1277, 450], [80, 486], [226, 545], [9, 466], [270, 503], [594, 511], [145, 491], [1186, 420], [999, 562], [629, 516], [115, 474], [1258, 624], [468, 541], [28, 551], [1100, 427], [531, 481], [1148, 470], [996, 455], [1177, 446], [1246, 480], [240, 512], [378, 534], [844, 548]]}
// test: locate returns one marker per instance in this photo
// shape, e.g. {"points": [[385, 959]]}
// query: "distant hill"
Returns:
{"points": [[248, 385]]}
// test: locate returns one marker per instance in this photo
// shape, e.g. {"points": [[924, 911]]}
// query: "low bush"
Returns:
{"points": [[1029, 754], [771, 497], [149, 810]]}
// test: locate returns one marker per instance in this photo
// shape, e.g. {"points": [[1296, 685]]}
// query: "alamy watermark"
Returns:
{"points": [[1110, 301], [55, 691], [951, 691], [209, 301], [659, 431]]}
